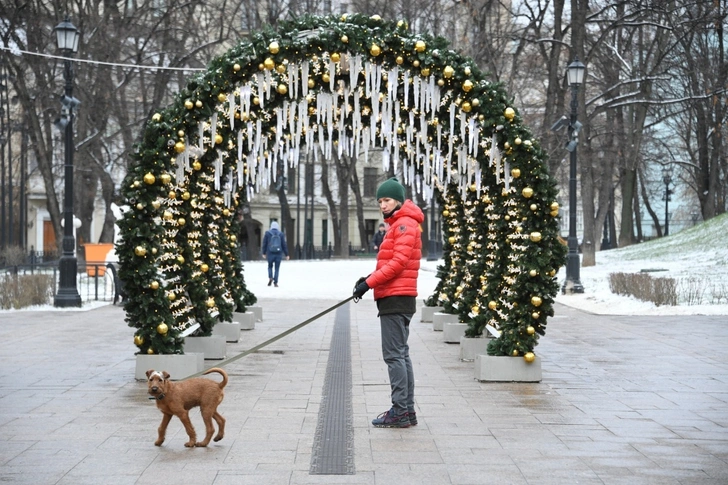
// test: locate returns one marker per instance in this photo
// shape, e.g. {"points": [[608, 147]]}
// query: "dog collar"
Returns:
{"points": [[160, 397]]}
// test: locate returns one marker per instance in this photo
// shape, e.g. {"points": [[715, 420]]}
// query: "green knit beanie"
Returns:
{"points": [[391, 188]]}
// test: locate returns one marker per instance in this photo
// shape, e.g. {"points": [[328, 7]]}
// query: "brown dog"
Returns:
{"points": [[176, 399]]}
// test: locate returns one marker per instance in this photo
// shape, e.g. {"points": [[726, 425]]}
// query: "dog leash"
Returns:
{"points": [[273, 339]]}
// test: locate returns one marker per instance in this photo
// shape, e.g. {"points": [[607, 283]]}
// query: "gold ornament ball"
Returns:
{"points": [[171, 296], [376, 17], [189, 104], [440, 82], [473, 187], [154, 285], [467, 70], [181, 221], [150, 351], [554, 206], [140, 251], [179, 147], [236, 67], [533, 273], [448, 72], [233, 237], [218, 139], [335, 56], [165, 178], [154, 250], [517, 141], [269, 64], [420, 46], [222, 97], [451, 240], [529, 357], [156, 204], [167, 216], [311, 83], [516, 172], [535, 236], [475, 102], [552, 273], [185, 195], [226, 212], [136, 184], [204, 268], [196, 165], [401, 24], [530, 330], [157, 117], [325, 77], [210, 302], [399, 60], [535, 315], [475, 309], [181, 259], [425, 71], [534, 207], [140, 206], [345, 39], [282, 89], [466, 106], [467, 85], [536, 301], [256, 100], [172, 194], [554, 213], [514, 353], [527, 192], [162, 329], [509, 113], [138, 340], [492, 305], [375, 50], [198, 103], [273, 48], [446, 213]]}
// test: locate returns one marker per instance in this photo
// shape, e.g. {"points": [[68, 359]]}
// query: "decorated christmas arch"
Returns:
{"points": [[350, 84]]}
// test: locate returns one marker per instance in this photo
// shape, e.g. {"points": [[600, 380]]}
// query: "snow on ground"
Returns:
{"points": [[699, 253]]}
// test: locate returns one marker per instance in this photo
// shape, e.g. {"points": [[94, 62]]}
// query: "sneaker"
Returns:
{"points": [[275, 284], [390, 420], [270, 281], [413, 418]]}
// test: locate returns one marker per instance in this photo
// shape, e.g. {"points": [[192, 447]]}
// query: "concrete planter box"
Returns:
{"points": [[178, 366], [229, 330], [257, 311], [428, 312], [490, 368], [245, 320], [212, 347], [470, 347], [439, 320], [452, 332]]}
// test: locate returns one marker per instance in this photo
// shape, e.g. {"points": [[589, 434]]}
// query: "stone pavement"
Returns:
{"points": [[624, 400]]}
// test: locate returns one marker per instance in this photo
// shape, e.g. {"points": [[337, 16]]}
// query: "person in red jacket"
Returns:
{"points": [[395, 290]]}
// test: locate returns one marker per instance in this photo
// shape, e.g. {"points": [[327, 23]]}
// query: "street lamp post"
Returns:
{"points": [[572, 284], [667, 178], [67, 37]]}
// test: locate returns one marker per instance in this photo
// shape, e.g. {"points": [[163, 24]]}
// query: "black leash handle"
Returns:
{"points": [[273, 339]]}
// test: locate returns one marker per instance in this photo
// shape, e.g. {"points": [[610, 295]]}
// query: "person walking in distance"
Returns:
{"points": [[274, 250], [394, 282], [379, 237]]}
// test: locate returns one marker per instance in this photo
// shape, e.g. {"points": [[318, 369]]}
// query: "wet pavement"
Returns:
{"points": [[623, 400]]}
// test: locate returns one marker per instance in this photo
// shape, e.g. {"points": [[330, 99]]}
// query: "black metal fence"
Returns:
{"points": [[95, 281]]}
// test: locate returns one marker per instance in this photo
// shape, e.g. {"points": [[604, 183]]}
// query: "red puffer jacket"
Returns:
{"points": [[398, 259]]}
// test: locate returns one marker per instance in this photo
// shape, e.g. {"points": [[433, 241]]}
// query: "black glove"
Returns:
{"points": [[360, 288]]}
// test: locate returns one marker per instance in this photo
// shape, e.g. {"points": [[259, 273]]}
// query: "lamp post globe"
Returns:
{"points": [[67, 37], [575, 75]]}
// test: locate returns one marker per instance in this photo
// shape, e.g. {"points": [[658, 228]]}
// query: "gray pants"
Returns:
{"points": [[395, 332]]}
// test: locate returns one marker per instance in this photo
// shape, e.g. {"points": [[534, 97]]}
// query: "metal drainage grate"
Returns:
{"points": [[333, 446]]}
